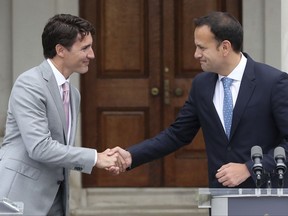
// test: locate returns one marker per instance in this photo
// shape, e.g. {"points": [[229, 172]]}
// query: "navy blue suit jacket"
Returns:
{"points": [[260, 117]]}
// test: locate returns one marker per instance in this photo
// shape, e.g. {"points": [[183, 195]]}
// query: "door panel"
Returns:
{"points": [[142, 45], [123, 39]]}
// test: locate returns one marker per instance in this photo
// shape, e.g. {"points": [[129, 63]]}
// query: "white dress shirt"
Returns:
{"points": [[236, 75]]}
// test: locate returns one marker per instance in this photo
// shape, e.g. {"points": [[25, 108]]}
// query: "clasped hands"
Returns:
{"points": [[114, 160]]}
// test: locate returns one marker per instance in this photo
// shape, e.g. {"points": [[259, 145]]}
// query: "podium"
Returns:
{"points": [[244, 202], [10, 208]]}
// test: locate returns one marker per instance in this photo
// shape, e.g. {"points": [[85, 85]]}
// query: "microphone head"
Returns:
{"points": [[256, 151], [279, 152]]}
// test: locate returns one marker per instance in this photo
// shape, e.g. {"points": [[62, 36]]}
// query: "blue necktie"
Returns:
{"points": [[227, 104]]}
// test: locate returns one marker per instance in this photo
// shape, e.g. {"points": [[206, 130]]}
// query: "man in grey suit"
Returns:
{"points": [[37, 152]]}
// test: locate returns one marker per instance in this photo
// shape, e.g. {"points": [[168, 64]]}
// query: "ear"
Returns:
{"points": [[226, 47], [60, 50]]}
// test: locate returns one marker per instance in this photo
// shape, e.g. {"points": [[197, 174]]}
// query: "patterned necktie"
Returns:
{"points": [[227, 104], [65, 87]]}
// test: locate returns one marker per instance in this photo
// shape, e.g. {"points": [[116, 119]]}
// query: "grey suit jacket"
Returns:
{"points": [[35, 156]]}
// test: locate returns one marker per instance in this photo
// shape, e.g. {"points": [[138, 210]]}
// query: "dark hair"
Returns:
{"points": [[63, 29], [224, 27]]}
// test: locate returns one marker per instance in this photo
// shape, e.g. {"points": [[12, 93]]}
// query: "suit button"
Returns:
{"points": [[59, 182], [229, 148], [78, 168]]}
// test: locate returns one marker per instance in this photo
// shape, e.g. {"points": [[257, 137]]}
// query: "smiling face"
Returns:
{"points": [[77, 57], [208, 50]]}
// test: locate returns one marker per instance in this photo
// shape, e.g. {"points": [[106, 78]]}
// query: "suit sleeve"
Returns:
{"points": [[279, 100], [279, 109], [180, 133], [28, 106]]}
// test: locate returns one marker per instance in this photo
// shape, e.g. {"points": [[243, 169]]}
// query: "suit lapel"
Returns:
{"points": [[245, 92], [73, 104], [210, 90], [54, 91]]}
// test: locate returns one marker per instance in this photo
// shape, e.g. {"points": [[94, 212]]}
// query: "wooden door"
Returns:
{"points": [[140, 79]]}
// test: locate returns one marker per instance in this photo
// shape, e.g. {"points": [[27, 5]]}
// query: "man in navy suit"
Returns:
{"points": [[259, 117]]}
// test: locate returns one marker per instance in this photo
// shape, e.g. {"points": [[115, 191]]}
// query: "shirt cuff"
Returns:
{"points": [[95, 161]]}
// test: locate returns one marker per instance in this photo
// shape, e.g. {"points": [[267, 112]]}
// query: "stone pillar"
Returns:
{"points": [[266, 31], [284, 35], [5, 61]]}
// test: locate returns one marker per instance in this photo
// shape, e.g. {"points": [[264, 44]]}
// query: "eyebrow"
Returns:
{"points": [[86, 46]]}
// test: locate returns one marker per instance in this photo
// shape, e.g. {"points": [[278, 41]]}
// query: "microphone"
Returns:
{"points": [[280, 158], [257, 155]]}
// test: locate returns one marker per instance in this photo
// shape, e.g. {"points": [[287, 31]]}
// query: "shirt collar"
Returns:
{"points": [[60, 79], [238, 71]]}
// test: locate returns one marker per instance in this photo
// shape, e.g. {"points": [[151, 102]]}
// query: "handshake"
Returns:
{"points": [[114, 160]]}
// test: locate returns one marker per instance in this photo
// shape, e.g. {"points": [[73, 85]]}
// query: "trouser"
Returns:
{"points": [[57, 208]]}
